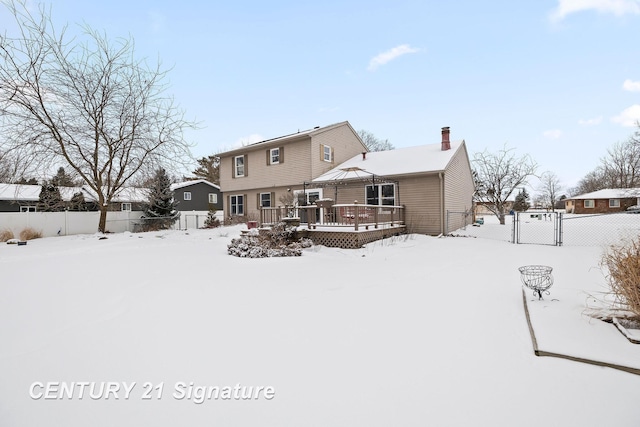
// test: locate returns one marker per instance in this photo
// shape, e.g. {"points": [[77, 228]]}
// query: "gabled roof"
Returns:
{"points": [[178, 185], [273, 142], [402, 161], [609, 193]]}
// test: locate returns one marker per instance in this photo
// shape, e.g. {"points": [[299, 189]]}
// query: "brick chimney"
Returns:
{"points": [[364, 155], [446, 144]]}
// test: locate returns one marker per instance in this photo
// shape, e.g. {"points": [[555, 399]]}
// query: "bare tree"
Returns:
{"points": [[620, 168], [6, 174], [373, 143], [86, 103], [592, 181], [549, 189], [498, 175], [622, 164]]}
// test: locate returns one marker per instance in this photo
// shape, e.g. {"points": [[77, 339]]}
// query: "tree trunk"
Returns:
{"points": [[102, 223], [501, 218]]}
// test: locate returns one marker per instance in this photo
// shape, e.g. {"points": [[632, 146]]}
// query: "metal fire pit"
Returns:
{"points": [[537, 278]]}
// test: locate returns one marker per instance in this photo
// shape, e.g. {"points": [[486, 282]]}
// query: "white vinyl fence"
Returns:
{"points": [[68, 223]]}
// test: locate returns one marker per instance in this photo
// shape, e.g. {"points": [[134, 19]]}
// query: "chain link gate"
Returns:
{"points": [[537, 228]]}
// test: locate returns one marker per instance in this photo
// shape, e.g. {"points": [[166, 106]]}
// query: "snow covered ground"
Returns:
{"points": [[410, 331]]}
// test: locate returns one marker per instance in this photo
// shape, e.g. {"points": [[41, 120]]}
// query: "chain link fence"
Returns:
{"points": [[599, 230], [557, 228]]}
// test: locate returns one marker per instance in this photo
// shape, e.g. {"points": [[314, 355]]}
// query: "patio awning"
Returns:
{"points": [[348, 175]]}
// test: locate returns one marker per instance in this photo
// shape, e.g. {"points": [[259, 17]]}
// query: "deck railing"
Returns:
{"points": [[352, 215]]}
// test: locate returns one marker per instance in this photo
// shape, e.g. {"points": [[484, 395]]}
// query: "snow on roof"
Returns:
{"points": [[31, 193], [128, 194], [192, 182], [401, 161], [284, 138], [610, 193]]}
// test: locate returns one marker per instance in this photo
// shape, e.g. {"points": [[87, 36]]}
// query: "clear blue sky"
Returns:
{"points": [[557, 79]]}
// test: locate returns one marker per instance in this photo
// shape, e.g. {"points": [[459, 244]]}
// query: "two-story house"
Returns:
{"points": [[269, 173]]}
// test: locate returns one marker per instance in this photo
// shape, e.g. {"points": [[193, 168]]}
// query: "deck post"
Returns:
{"points": [[356, 215], [375, 216]]}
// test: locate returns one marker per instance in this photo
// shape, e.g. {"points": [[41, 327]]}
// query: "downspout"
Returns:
{"points": [[442, 225]]}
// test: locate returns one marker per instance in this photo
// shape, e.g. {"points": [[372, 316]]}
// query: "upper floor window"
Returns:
{"points": [[28, 209], [589, 203], [326, 153], [213, 198], [238, 164], [614, 203], [274, 156], [187, 195], [125, 207]]}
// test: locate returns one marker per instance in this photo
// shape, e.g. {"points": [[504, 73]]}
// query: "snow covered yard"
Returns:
{"points": [[410, 331]]}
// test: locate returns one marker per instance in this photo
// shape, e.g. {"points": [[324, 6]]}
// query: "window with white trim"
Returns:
{"points": [[213, 198], [126, 207], [265, 200], [186, 195], [237, 204], [274, 156], [326, 153], [28, 209], [589, 203], [381, 194], [614, 203], [238, 164]]}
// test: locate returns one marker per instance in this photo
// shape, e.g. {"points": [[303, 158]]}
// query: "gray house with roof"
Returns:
{"points": [[197, 195]]}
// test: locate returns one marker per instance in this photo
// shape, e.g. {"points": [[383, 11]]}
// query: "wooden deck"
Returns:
{"points": [[347, 226], [349, 238]]}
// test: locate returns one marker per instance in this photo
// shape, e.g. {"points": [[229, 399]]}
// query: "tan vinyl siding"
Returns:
{"points": [[295, 170], [344, 145], [347, 194], [252, 211], [458, 190], [421, 197]]}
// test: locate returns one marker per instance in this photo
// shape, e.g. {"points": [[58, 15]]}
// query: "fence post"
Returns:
{"points": [[559, 219]]}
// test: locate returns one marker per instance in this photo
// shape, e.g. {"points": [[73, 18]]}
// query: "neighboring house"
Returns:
{"points": [[482, 208], [197, 195], [269, 173], [603, 201], [433, 182], [25, 198], [126, 199]]}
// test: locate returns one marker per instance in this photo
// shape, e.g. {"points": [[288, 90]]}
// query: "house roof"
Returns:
{"points": [[609, 193], [31, 193], [402, 161], [128, 194], [286, 138], [178, 185]]}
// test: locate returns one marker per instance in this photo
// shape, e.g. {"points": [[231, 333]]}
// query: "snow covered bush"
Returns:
{"points": [[280, 241], [623, 264]]}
